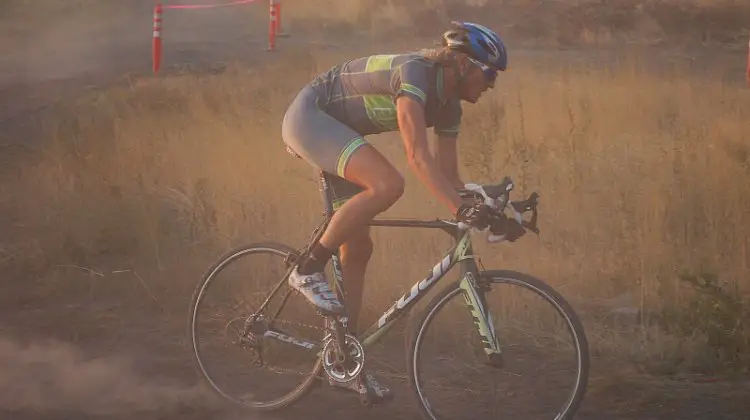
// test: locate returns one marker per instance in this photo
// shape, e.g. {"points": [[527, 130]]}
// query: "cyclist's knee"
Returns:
{"points": [[388, 188], [367, 167]]}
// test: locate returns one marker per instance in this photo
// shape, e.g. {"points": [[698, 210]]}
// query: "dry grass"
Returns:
{"points": [[641, 178], [556, 22]]}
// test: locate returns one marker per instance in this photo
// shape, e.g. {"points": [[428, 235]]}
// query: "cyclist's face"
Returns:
{"points": [[479, 78]]}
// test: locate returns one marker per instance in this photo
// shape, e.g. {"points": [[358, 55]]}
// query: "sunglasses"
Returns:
{"points": [[490, 74]]}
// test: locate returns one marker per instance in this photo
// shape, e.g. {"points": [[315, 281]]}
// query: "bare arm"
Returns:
{"points": [[446, 154], [410, 114]]}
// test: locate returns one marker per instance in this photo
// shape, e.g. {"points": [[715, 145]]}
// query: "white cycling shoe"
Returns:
{"points": [[315, 288]]}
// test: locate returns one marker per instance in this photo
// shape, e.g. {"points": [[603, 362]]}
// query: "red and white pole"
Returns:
{"points": [[272, 25], [156, 44]]}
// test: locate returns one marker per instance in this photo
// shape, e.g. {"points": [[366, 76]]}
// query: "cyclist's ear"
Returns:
{"points": [[462, 63]]}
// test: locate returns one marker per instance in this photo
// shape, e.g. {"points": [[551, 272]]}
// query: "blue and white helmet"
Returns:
{"points": [[479, 42]]}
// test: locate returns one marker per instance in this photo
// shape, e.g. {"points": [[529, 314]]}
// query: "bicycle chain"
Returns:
{"points": [[283, 322]]}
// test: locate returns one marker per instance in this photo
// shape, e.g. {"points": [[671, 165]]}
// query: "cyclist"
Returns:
{"points": [[326, 124]]}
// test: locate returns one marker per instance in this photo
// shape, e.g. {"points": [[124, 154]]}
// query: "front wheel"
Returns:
{"points": [[505, 345]]}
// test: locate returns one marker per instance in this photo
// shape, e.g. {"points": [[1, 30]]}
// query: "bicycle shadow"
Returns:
{"points": [[326, 403]]}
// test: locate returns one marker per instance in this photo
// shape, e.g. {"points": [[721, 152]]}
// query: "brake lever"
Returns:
{"points": [[527, 204], [530, 204], [503, 199], [531, 225]]}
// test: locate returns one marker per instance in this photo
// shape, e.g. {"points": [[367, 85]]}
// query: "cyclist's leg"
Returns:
{"points": [[337, 149], [330, 145], [355, 254], [382, 186]]}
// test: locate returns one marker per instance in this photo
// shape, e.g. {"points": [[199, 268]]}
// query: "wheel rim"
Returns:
{"points": [[578, 339], [210, 279]]}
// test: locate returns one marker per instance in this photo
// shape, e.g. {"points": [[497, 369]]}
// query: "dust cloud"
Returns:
{"points": [[92, 43], [56, 376]]}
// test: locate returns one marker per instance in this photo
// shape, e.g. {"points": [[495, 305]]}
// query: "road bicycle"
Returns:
{"points": [[338, 355]]}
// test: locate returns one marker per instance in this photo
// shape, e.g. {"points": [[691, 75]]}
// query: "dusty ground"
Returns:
{"points": [[106, 347]]}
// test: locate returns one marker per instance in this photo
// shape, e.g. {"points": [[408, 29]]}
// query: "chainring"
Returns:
{"points": [[334, 364]]}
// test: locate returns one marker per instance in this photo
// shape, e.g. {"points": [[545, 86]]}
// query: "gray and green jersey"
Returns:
{"points": [[362, 93]]}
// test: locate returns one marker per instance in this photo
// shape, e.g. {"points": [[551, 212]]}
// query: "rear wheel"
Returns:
{"points": [[255, 359], [545, 358]]}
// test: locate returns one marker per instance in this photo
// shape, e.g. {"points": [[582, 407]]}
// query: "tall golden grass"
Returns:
{"points": [[643, 180], [557, 22], [610, 22]]}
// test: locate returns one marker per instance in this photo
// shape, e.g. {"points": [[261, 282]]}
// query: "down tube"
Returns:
{"points": [[460, 252]]}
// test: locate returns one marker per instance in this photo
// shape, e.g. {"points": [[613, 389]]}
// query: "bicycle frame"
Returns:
{"points": [[460, 253]]}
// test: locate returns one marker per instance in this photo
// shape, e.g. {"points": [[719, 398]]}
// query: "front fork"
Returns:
{"points": [[473, 291]]}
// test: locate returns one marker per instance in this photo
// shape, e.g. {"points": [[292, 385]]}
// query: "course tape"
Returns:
{"points": [[205, 6]]}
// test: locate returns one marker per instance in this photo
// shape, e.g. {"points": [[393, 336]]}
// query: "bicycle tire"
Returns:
{"points": [[421, 322], [285, 400]]}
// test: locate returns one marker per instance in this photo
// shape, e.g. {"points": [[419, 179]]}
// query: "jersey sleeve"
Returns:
{"points": [[411, 79], [448, 120]]}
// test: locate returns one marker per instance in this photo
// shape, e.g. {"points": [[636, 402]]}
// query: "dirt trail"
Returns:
{"points": [[112, 352], [41, 65]]}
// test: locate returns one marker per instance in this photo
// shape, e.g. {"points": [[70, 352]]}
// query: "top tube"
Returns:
{"points": [[414, 223]]}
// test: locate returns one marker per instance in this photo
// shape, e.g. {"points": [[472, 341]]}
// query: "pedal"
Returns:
{"points": [[368, 398], [495, 360], [365, 399]]}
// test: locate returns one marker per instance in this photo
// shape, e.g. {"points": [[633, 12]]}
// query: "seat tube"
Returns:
{"points": [[324, 185]]}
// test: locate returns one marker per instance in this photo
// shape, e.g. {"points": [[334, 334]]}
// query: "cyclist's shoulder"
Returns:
{"points": [[392, 61], [414, 67], [416, 59]]}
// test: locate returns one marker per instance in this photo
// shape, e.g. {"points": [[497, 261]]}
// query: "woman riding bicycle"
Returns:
{"points": [[326, 124]]}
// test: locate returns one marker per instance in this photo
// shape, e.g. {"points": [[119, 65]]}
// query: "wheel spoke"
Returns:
{"points": [[541, 340], [258, 356]]}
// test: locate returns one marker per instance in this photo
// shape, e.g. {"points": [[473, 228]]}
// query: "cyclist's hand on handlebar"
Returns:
{"points": [[503, 225], [474, 214]]}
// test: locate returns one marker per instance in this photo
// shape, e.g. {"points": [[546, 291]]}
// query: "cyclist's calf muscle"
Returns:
{"points": [[355, 254]]}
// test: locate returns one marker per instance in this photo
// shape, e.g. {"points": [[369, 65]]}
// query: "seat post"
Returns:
{"points": [[324, 186]]}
